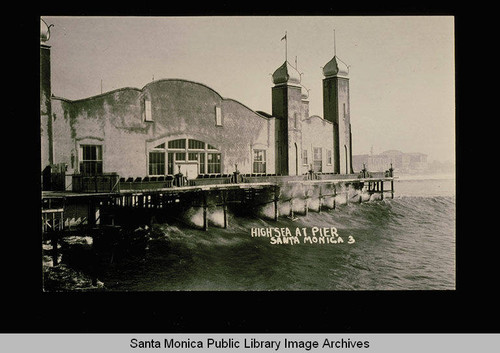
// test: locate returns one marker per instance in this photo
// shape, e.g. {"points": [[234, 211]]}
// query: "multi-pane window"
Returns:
{"points": [[317, 159], [185, 151], [177, 144], [180, 156], [213, 163], [170, 164], [156, 163], [202, 163], [91, 159], [196, 145], [259, 161]]}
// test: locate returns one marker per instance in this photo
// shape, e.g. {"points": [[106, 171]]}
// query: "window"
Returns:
{"points": [[180, 156], [259, 161], [184, 151], [91, 159], [329, 157], [202, 163], [218, 117], [170, 163], [147, 111], [317, 159], [213, 163], [196, 145], [177, 144], [156, 163], [304, 157]]}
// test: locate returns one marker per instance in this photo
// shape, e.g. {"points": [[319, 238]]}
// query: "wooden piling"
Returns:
{"points": [[392, 189], [320, 199], [224, 207], [91, 219], [276, 198], [205, 206], [381, 190], [94, 258], [334, 196], [54, 240]]}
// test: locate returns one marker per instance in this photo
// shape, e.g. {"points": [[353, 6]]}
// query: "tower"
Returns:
{"points": [[336, 109], [47, 156], [287, 107]]}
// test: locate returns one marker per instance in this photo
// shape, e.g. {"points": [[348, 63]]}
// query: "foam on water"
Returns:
{"points": [[403, 243]]}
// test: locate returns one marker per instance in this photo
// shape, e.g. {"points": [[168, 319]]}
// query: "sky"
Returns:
{"points": [[402, 74]]}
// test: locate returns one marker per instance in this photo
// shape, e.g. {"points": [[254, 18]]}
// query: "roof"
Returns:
{"points": [[286, 73], [335, 67]]}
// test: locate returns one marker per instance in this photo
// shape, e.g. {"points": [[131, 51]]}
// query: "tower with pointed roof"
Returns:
{"points": [[45, 94], [336, 109], [287, 107]]}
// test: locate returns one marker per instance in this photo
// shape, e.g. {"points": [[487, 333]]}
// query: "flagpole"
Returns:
{"points": [[286, 47], [334, 44]]}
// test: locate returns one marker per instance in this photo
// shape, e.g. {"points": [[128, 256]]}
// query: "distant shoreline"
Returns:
{"points": [[437, 176]]}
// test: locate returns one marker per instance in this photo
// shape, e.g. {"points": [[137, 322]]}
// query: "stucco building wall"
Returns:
{"points": [[179, 109]]}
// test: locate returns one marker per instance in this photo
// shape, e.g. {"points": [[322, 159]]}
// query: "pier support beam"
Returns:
{"points": [[381, 190], [224, 208], [53, 241], [320, 199], [276, 198], [334, 196], [205, 206]]}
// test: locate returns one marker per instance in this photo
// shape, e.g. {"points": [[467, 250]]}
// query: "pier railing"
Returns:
{"points": [[95, 183]]}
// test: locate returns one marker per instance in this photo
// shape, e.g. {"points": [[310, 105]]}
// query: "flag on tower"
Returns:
{"points": [[284, 37]]}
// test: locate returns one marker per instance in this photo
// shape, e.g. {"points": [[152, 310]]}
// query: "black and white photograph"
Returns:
{"points": [[247, 153]]}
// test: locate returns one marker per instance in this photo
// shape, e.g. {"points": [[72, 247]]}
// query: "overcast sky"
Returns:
{"points": [[401, 68]]}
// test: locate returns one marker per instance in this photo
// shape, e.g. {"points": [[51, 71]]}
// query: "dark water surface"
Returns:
{"points": [[405, 243]]}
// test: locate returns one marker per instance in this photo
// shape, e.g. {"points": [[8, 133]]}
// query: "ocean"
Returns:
{"points": [[404, 243]]}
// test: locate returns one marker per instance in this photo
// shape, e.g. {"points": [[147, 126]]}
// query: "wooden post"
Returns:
{"points": [[291, 208], [276, 198], [54, 238], [334, 196], [224, 207], [392, 188], [205, 220], [91, 213], [320, 199], [381, 190], [94, 258]]}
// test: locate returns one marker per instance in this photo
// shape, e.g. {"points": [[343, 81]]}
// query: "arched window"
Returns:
{"points": [[189, 155]]}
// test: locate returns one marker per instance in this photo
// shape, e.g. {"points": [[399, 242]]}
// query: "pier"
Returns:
{"points": [[102, 215], [93, 208]]}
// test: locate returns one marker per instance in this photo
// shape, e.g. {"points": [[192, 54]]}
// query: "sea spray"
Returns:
{"points": [[194, 216], [216, 217]]}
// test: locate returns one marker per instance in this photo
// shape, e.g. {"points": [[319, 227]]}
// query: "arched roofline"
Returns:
{"points": [[156, 82]]}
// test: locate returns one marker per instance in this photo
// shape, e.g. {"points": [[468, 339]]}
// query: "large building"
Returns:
{"points": [[174, 125], [411, 163]]}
